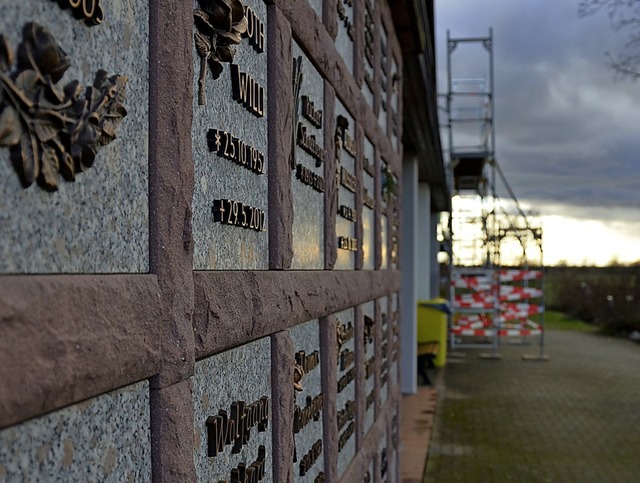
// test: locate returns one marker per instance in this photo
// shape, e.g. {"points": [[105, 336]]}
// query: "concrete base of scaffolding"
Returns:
{"points": [[535, 357], [496, 356], [456, 355], [519, 342]]}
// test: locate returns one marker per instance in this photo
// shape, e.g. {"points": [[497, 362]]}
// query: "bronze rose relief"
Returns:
{"points": [[52, 130], [220, 26]]}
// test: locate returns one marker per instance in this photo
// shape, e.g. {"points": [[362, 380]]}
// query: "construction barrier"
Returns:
{"points": [[490, 304]]}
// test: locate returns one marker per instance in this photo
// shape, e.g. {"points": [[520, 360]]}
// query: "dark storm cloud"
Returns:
{"points": [[567, 131]]}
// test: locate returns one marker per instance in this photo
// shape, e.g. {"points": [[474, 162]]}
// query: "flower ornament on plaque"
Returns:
{"points": [[220, 24], [52, 130]]}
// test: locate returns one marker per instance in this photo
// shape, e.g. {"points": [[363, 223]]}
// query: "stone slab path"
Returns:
{"points": [[575, 418]]}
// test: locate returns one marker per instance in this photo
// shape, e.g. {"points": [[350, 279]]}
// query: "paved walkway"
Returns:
{"points": [[415, 431], [575, 418]]}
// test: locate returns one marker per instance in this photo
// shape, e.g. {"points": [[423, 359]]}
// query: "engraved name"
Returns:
{"points": [[344, 437], [370, 399], [369, 328], [224, 429], [345, 332], [309, 459], [308, 177], [394, 434], [369, 368], [310, 113], [369, 27], [230, 147], [348, 413], [384, 371], [347, 179], [348, 243], [349, 144], [367, 200], [308, 362], [255, 30], [252, 474], [347, 212], [347, 358], [309, 144], [342, 15], [346, 379], [383, 62], [383, 462], [247, 91], [311, 411], [230, 212], [368, 167]]}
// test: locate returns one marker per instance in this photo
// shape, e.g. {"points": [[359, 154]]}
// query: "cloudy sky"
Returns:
{"points": [[567, 129]]}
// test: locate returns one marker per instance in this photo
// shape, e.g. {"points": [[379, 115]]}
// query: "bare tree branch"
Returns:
{"points": [[624, 15]]}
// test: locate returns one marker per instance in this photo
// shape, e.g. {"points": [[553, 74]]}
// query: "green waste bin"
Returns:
{"points": [[432, 325]]}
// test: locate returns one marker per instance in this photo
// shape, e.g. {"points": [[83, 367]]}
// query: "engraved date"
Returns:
{"points": [[230, 212]]}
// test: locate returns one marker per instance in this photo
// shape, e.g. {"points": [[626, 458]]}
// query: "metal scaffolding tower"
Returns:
{"points": [[483, 227]]}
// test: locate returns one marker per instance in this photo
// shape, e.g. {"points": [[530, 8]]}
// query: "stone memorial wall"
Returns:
{"points": [[199, 248]]}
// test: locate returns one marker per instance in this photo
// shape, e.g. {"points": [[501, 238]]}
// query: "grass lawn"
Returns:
{"points": [[560, 321]]}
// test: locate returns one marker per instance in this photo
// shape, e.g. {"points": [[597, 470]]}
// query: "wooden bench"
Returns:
{"points": [[427, 352]]}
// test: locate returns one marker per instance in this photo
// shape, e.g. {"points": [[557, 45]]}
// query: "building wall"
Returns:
{"points": [[175, 287]]}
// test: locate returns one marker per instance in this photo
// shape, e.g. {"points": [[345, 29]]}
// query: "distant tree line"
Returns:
{"points": [[608, 297]]}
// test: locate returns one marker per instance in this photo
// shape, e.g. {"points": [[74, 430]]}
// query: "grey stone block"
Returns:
{"points": [[106, 438], [99, 223]]}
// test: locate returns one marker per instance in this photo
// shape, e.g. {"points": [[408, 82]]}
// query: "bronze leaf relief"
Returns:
{"points": [[297, 84], [298, 372], [220, 25], [49, 129]]}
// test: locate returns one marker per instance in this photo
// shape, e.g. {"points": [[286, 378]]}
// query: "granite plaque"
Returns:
{"points": [[394, 233], [395, 445], [371, 470], [384, 242], [229, 133], [383, 465], [347, 186], [369, 46], [394, 129], [307, 163], [391, 222], [369, 334], [395, 338], [388, 456], [384, 349], [74, 194], [384, 355], [232, 414], [346, 31], [387, 186], [106, 438], [308, 464], [346, 391], [384, 78], [368, 207]]}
